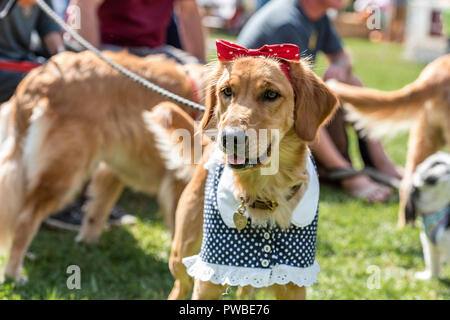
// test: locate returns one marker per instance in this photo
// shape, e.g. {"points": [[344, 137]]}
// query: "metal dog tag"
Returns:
{"points": [[240, 220]]}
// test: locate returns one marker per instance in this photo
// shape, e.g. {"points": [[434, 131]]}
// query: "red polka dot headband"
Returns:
{"points": [[227, 51]]}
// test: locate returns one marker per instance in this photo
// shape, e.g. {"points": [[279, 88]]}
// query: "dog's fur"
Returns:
{"points": [[76, 116], [302, 108], [425, 104], [430, 193]]}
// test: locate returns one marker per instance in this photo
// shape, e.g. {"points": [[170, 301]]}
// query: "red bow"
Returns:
{"points": [[229, 51]]}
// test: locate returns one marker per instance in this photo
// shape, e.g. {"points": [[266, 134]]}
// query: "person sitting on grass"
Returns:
{"points": [[141, 26], [15, 43], [305, 23]]}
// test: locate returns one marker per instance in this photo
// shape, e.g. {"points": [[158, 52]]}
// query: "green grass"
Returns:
{"points": [[354, 237]]}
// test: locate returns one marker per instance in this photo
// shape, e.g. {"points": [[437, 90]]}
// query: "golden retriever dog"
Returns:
{"points": [[424, 104], [250, 94], [75, 117]]}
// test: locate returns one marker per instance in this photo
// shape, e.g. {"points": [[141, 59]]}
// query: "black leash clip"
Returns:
{"points": [[10, 4]]}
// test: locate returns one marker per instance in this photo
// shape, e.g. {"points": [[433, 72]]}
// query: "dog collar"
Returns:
{"points": [[239, 218], [271, 204], [227, 51]]}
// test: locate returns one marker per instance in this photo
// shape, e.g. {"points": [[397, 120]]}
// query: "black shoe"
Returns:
{"points": [[120, 217], [71, 217]]}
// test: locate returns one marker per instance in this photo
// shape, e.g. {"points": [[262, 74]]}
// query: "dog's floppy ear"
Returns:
{"points": [[410, 209], [210, 104], [209, 120], [314, 101]]}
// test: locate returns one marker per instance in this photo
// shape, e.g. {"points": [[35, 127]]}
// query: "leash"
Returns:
{"points": [[133, 76], [7, 8]]}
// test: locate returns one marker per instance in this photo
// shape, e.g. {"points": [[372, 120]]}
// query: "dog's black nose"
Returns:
{"points": [[233, 139]]}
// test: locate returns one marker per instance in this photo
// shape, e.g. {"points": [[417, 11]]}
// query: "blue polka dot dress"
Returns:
{"points": [[259, 256]]}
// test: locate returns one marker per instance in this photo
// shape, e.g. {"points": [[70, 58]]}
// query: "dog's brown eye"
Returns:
{"points": [[227, 92], [271, 95]]}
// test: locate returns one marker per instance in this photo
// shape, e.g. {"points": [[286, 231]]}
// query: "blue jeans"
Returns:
{"points": [[8, 83]]}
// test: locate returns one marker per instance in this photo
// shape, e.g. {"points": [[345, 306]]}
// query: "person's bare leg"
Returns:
{"points": [[376, 152], [331, 157], [328, 155], [381, 160]]}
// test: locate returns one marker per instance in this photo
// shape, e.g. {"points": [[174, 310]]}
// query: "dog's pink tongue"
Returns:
{"points": [[234, 159]]}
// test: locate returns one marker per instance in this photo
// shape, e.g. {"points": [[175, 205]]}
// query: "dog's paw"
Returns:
{"points": [[424, 275], [31, 256], [19, 280]]}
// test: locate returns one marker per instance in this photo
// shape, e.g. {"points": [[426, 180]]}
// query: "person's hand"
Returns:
{"points": [[337, 72], [340, 67], [27, 3]]}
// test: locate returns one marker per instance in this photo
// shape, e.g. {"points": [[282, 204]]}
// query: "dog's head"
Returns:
{"points": [[252, 97], [430, 190]]}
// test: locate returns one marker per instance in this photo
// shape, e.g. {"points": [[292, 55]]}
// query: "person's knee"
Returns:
{"points": [[350, 79], [354, 81]]}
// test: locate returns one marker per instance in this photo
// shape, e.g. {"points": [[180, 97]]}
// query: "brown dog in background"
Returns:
{"points": [[76, 117], [297, 113], [425, 104]]}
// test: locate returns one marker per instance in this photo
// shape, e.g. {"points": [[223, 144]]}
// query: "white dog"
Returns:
{"points": [[430, 200]]}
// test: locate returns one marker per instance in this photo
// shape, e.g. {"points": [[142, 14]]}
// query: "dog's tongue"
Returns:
{"points": [[234, 159]]}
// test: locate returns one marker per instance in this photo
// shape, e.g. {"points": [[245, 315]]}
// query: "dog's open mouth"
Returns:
{"points": [[237, 162]]}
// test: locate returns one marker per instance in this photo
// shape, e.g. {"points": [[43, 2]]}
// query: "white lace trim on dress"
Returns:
{"points": [[255, 277]]}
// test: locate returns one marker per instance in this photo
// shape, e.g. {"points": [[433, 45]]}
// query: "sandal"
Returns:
{"points": [[340, 174], [368, 193], [382, 177]]}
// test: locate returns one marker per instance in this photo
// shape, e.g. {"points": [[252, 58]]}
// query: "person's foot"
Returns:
{"points": [[390, 169], [381, 161], [361, 186], [71, 217]]}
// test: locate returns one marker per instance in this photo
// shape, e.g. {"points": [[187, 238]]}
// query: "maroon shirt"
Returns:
{"points": [[135, 23]]}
